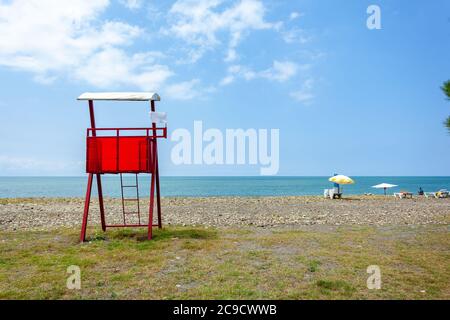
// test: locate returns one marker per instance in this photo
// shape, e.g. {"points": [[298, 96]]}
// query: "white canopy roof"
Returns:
{"points": [[120, 96], [384, 185]]}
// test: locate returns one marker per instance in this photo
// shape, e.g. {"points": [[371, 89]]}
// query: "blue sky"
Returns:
{"points": [[345, 98]]}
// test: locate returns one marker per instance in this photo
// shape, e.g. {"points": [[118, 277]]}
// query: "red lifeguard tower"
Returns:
{"points": [[123, 151]]}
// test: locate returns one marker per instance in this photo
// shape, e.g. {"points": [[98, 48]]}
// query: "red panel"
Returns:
{"points": [[126, 154]]}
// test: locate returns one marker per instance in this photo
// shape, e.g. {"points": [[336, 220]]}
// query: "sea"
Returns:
{"points": [[54, 187]]}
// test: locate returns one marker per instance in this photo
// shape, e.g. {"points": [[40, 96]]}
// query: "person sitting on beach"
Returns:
{"points": [[420, 192]]}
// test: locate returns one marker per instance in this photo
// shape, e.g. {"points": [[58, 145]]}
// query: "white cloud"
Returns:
{"points": [[295, 35], [184, 90], [291, 33], [113, 67], [132, 4], [227, 80], [200, 22], [50, 38], [12, 165], [280, 71], [188, 90], [294, 15], [304, 95], [41, 36]]}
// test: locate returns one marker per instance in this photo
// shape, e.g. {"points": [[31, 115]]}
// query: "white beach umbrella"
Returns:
{"points": [[384, 186]]}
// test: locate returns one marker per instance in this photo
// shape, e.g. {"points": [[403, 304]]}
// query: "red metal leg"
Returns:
{"points": [[100, 200], [158, 198], [156, 171], [86, 208], [99, 179], [151, 205]]}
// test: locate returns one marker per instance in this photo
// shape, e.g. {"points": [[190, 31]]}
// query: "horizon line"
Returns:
{"points": [[227, 176]]}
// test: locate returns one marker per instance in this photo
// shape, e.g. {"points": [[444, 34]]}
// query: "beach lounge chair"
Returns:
{"points": [[429, 194], [403, 195], [443, 193], [332, 193]]}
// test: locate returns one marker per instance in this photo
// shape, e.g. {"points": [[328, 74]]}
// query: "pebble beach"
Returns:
{"points": [[263, 212]]}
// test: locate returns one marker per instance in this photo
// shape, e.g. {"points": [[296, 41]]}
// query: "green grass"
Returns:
{"points": [[245, 263], [340, 286], [313, 265]]}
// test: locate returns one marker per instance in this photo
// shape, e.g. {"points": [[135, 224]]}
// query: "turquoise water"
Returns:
{"points": [[11, 187]]}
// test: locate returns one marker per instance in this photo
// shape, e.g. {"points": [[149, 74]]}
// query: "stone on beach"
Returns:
{"points": [[47, 213]]}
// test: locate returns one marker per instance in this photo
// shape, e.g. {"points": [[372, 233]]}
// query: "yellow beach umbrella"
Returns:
{"points": [[341, 179]]}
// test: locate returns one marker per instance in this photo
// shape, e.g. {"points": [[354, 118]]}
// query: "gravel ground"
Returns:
{"points": [[45, 213]]}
